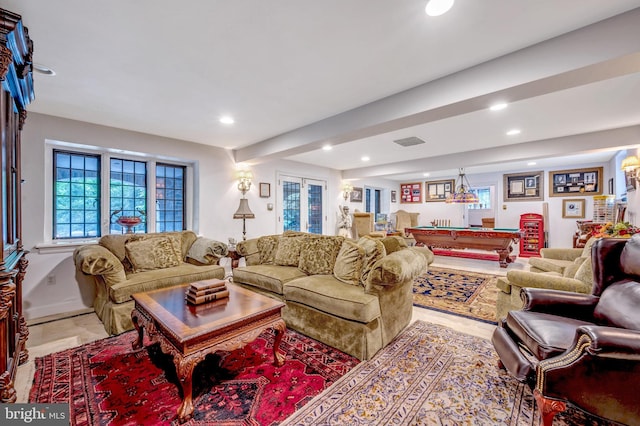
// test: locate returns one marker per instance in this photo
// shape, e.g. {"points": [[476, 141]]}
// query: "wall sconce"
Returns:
{"points": [[346, 190], [630, 165], [244, 181]]}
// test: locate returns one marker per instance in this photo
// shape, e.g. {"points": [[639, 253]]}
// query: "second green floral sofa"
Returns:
{"points": [[355, 296]]}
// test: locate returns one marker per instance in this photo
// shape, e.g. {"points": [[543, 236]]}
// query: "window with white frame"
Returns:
{"points": [[484, 198], [93, 188]]}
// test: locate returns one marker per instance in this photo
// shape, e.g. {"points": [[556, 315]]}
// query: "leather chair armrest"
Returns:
{"points": [[611, 341], [557, 302]]}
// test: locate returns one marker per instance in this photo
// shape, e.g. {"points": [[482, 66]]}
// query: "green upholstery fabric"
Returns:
{"points": [[357, 319], [393, 243], [114, 280], [325, 293], [148, 254], [509, 287], [267, 277], [288, 251], [348, 266], [267, 246], [319, 254]]}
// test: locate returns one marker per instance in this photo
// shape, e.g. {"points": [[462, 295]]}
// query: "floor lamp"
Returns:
{"points": [[244, 212]]}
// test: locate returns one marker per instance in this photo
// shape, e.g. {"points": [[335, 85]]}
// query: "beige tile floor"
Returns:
{"points": [[53, 334]]}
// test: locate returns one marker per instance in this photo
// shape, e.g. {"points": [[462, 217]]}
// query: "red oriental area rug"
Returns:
{"points": [[106, 382]]}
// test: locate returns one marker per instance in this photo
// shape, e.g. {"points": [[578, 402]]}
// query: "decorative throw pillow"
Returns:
{"points": [[348, 267], [585, 272], [147, 254], [267, 247], [319, 254], [393, 243], [373, 251], [288, 252], [570, 271]]}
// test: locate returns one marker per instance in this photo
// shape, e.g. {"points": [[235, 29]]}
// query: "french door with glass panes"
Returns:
{"points": [[302, 204]]}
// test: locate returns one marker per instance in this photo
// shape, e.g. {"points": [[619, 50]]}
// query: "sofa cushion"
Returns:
{"points": [[393, 243], [570, 271], [373, 251], [327, 294], [268, 245], [585, 272], [288, 252], [348, 267], [161, 278], [618, 305], [318, 254], [158, 252], [267, 277]]}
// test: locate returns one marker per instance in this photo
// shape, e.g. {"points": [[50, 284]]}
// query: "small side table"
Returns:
{"points": [[235, 258]]}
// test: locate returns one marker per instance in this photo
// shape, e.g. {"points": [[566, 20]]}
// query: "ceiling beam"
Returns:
{"points": [[600, 51]]}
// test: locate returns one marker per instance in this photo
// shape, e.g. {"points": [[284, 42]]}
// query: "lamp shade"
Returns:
{"points": [[244, 212], [630, 163]]}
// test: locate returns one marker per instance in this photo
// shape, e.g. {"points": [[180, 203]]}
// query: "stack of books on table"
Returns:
{"points": [[206, 291]]}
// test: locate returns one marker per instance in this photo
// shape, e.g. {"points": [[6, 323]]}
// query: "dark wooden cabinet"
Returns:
{"points": [[15, 94], [532, 239]]}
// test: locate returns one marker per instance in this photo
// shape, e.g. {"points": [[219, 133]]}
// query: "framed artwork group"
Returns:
{"points": [[411, 192], [438, 190], [563, 183]]}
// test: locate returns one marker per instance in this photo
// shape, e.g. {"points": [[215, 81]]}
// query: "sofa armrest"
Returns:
{"points": [[249, 250], [97, 260], [546, 280], [561, 253], [395, 268], [557, 302]]}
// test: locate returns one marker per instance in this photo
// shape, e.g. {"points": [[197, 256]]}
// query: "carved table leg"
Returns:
{"points": [[137, 344], [503, 256], [278, 358], [184, 368], [548, 408]]}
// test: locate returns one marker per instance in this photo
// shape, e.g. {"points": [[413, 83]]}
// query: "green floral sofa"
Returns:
{"points": [[122, 265], [355, 296]]}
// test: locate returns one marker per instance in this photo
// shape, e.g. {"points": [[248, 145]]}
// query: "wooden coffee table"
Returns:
{"points": [[189, 333]]}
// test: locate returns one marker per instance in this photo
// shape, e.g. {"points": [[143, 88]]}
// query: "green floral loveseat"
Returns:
{"points": [[122, 265], [355, 296]]}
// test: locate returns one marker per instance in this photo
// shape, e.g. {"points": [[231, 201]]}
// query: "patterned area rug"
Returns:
{"points": [[106, 382], [468, 294], [430, 375]]}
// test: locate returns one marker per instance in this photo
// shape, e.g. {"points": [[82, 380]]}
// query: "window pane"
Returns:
{"points": [[76, 197], [128, 192], [170, 188]]}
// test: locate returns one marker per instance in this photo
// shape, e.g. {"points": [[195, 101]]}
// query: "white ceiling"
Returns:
{"points": [[172, 69]]}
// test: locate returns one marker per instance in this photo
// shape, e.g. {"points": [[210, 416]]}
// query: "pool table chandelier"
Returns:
{"points": [[462, 193]]}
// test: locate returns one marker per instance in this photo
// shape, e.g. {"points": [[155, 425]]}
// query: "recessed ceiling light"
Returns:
{"points": [[513, 132], [365, 158], [227, 119], [43, 70], [438, 7], [425, 174], [531, 163], [327, 148], [498, 107]]}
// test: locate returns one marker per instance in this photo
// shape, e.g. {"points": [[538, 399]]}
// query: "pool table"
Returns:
{"points": [[492, 239]]}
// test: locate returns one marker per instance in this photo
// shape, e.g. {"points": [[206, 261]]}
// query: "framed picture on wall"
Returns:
{"points": [[566, 183], [356, 195], [573, 208], [411, 192], [523, 186], [438, 190], [265, 190]]}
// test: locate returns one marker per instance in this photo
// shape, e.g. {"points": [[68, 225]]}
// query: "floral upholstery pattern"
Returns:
{"points": [[268, 245], [319, 255], [288, 252], [147, 254]]}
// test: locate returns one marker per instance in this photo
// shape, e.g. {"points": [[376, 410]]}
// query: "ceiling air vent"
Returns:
{"points": [[409, 141]]}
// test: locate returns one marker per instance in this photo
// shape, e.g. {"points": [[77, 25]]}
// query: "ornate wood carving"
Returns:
{"points": [[548, 408], [17, 92]]}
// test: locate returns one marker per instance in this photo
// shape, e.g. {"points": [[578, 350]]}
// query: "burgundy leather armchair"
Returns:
{"points": [[582, 349]]}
